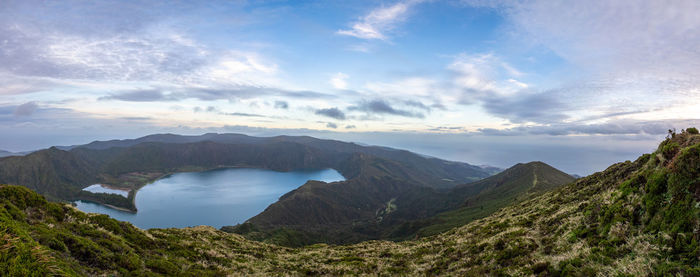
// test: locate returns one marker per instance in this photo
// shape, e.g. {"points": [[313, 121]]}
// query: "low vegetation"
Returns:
{"points": [[61, 174], [633, 219]]}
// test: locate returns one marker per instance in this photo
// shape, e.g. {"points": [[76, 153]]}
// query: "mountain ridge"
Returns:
{"points": [[373, 174], [636, 218], [397, 213]]}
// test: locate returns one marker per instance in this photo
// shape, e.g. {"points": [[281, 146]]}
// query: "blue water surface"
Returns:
{"points": [[216, 198]]}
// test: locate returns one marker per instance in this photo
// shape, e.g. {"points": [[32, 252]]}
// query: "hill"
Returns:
{"points": [[374, 174], [471, 201], [338, 212], [4, 153], [633, 219]]}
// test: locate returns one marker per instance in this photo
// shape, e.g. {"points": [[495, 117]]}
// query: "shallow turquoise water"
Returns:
{"points": [[215, 198]]}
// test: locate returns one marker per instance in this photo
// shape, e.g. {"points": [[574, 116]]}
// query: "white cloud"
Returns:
{"points": [[518, 83], [626, 55], [378, 22], [159, 57], [239, 69], [338, 80], [474, 72], [647, 38], [512, 70], [485, 74]]}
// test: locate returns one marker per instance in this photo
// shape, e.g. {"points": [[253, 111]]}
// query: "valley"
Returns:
{"points": [[373, 175], [614, 222], [349, 138]]}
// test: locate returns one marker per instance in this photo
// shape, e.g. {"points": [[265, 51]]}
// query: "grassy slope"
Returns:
{"points": [[390, 208], [130, 164], [511, 186], [635, 218]]}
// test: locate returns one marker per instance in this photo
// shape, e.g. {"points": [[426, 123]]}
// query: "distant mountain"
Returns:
{"points": [[342, 212], [491, 169], [385, 187], [61, 174], [4, 153], [167, 138], [633, 219]]}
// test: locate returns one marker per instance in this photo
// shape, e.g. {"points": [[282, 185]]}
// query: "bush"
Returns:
{"points": [[670, 149], [162, 266], [692, 130], [540, 267]]}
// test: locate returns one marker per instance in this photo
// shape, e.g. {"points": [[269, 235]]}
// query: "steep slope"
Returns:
{"points": [[339, 212], [393, 208], [471, 201], [374, 174], [53, 172], [633, 219]]}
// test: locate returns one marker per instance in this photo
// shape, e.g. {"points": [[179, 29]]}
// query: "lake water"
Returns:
{"points": [[216, 198]]}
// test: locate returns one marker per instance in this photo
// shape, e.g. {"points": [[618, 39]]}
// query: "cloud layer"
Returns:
{"points": [[485, 68], [379, 22]]}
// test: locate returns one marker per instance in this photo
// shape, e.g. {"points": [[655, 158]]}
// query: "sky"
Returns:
{"points": [[577, 84]]}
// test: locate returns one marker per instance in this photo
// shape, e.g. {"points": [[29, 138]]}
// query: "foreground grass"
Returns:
{"points": [[635, 218]]}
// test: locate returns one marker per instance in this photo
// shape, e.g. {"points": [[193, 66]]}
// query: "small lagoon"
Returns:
{"points": [[216, 198]]}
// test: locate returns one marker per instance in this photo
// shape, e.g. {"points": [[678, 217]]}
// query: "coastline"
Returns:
{"points": [[119, 208]]}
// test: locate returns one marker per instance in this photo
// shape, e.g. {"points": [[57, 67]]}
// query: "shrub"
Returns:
{"points": [[692, 130], [162, 266], [669, 149]]}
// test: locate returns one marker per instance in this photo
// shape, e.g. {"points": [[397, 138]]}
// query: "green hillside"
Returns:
{"points": [[381, 204], [130, 164], [633, 219], [471, 201]]}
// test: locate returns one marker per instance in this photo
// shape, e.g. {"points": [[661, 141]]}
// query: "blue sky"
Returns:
{"points": [[598, 80]]}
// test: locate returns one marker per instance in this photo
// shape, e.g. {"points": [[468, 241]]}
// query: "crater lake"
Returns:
{"points": [[216, 197]]}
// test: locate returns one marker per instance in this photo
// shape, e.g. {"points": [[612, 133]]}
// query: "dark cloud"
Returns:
{"points": [[417, 104], [382, 107], [331, 125], [332, 113], [539, 108], [350, 127], [150, 95], [438, 106], [245, 114], [445, 128], [212, 109], [26, 109], [281, 105], [210, 94]]}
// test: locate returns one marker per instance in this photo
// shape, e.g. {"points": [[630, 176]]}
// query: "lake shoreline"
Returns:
{"points": [[138, 187], [212, 197]]}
